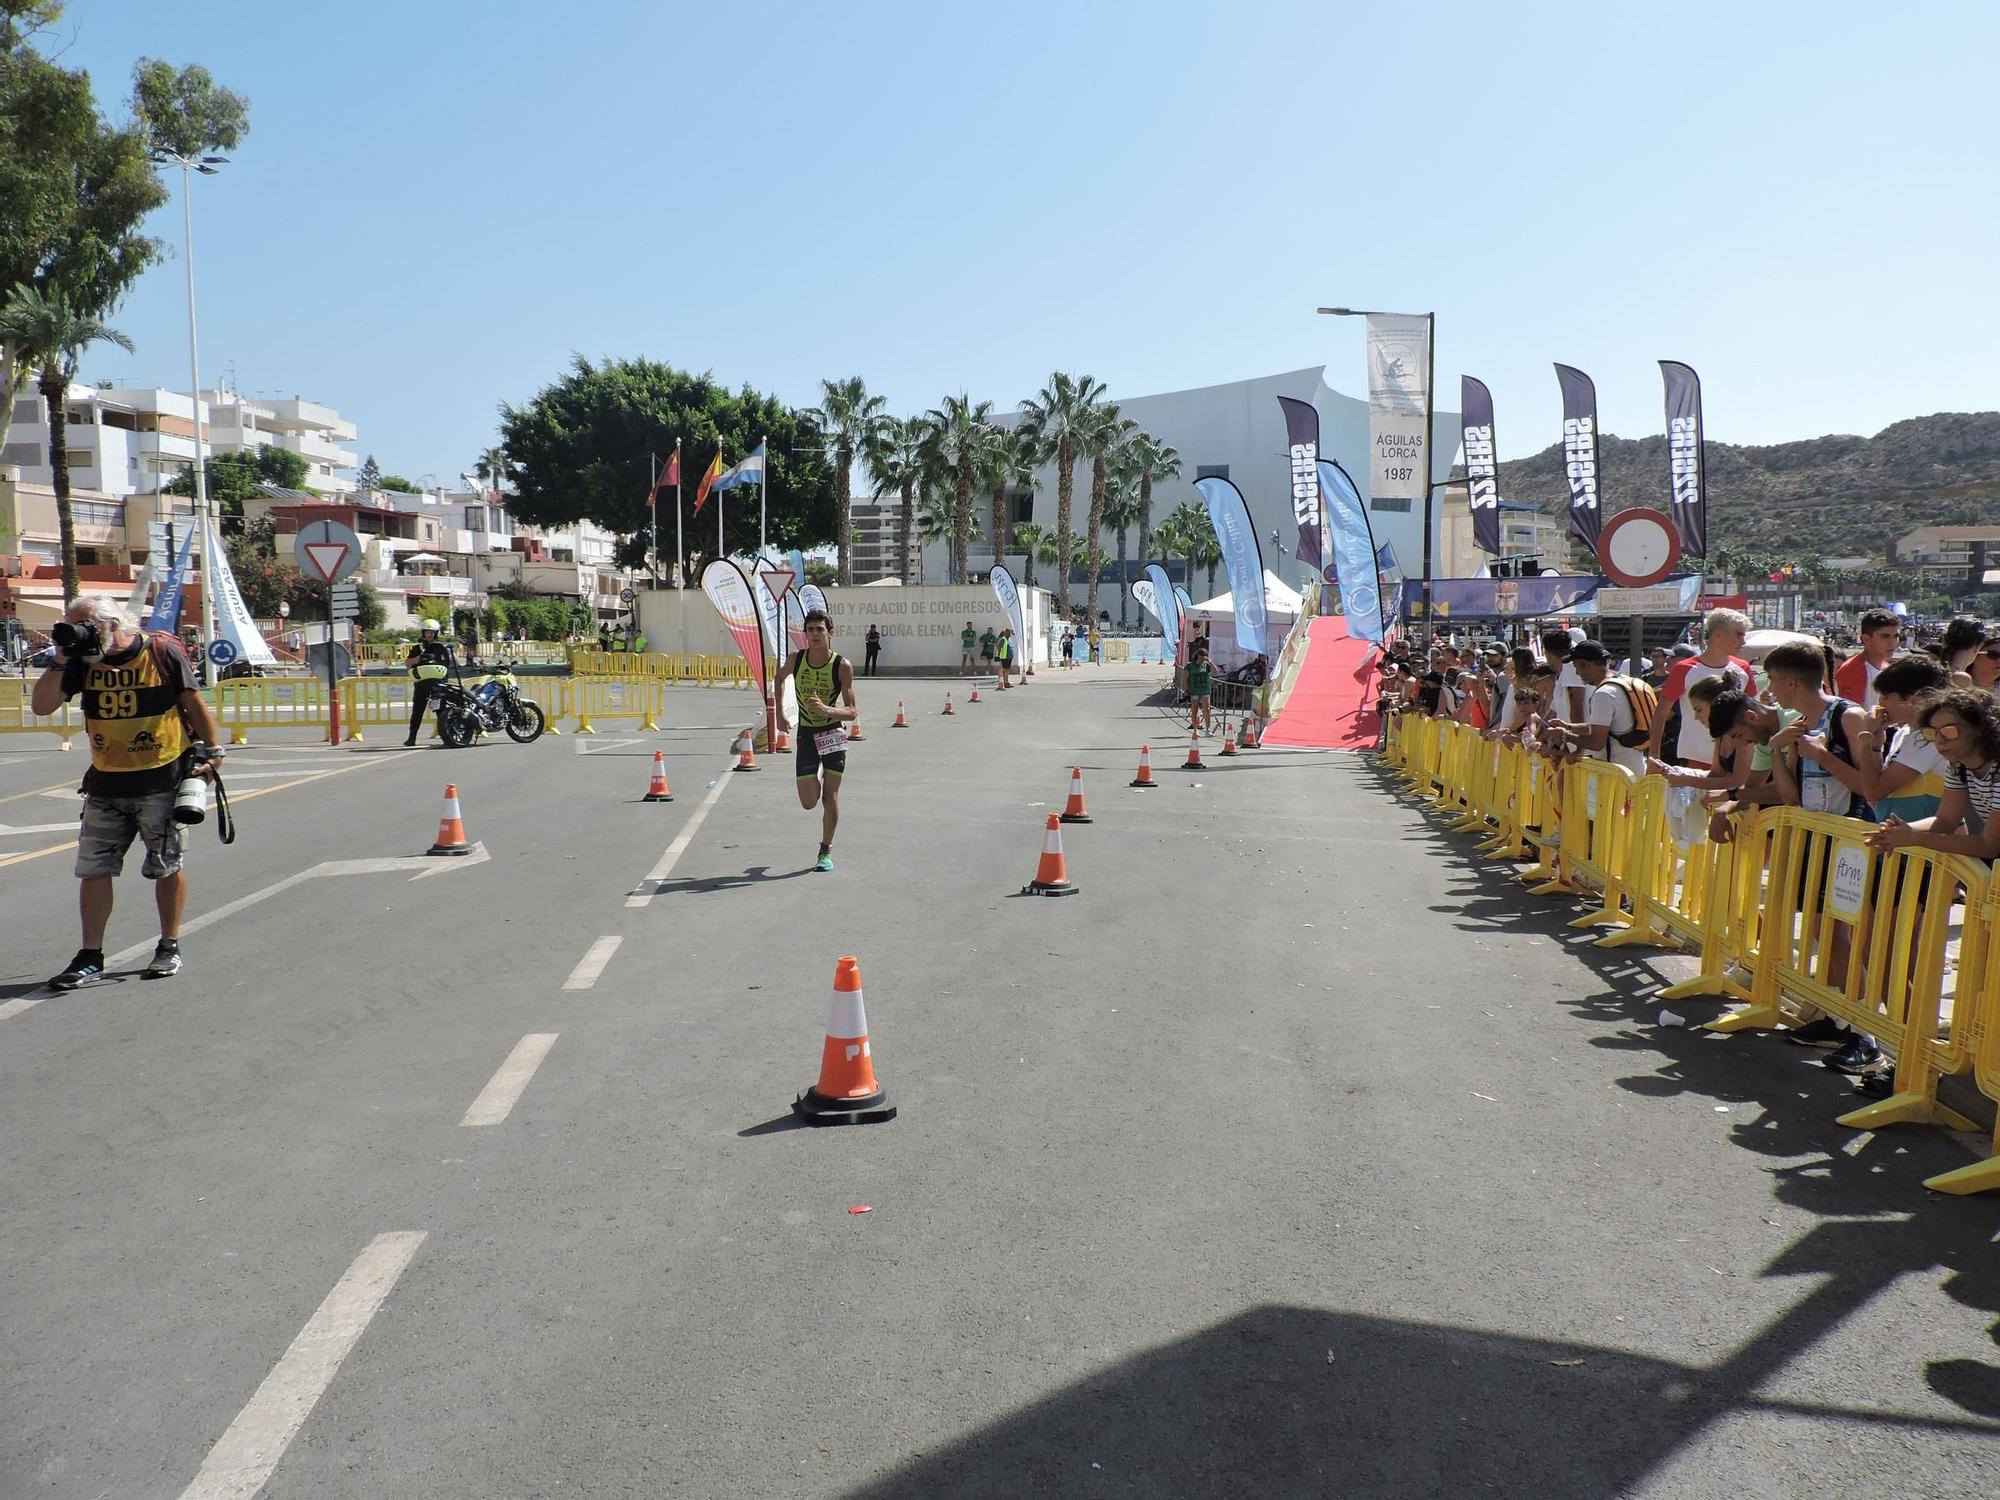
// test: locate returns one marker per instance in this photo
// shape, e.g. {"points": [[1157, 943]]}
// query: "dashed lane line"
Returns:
{"points": [[246, 1455], [505, 1087], [584, 975], [649, 887]]}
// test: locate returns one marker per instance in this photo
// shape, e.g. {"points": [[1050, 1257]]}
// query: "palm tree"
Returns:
{"points": [[44, 329], [1029, 537], [1006, 460], [1101, 439], [850, 422], [939, 521], [896, 460], [1055, 419], [1121, 514], [491, 467], [1154, 460], [1189, 527], [958, 431]]}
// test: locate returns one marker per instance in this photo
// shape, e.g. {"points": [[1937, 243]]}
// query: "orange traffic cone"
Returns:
{"points": [[1074, 812], [947, 703], [854, 730], [658, 792], [1193, 762], [1248, 738], [847, 1093], [1051, 875], [1228, 740], [902, 721], [975, 694], [746, 756], [783, 742], [451, 827], [1145, 776]]}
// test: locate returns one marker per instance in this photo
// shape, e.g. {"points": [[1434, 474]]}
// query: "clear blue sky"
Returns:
{"points": [[439, 202]]}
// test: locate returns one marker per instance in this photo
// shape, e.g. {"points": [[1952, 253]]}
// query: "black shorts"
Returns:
{"points": [[811, 762]]}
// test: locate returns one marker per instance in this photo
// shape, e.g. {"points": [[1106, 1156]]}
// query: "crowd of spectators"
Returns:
{"points": [[1898, 729]]}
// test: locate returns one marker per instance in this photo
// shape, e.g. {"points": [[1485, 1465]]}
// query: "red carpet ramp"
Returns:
{"points": [[1332, 705]]}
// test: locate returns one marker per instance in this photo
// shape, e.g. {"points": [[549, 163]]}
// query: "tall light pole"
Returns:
{"points": [[210, 532], [1430, 387]]}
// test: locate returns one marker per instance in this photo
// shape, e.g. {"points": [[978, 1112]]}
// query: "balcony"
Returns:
{"points": [[438, 585]]}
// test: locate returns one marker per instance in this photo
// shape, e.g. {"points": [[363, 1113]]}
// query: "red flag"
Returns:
{"points": [[670, 475], [714, 473]]}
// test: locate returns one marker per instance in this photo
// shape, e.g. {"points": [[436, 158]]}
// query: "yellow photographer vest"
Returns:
{"points": [[132, 715]]}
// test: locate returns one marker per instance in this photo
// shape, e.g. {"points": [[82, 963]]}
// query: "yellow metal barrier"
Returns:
{"points": [[244, 703], [368, 702], [16, 716], [1976, 1019], [594, 698]]}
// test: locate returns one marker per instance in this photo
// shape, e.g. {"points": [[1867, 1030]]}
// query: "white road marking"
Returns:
{"points": [[248, 1453], [580, 748], [584, 975], [507, 1085], [649, 887], [67, 827]]}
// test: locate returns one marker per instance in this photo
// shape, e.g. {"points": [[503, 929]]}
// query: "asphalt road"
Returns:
{"points": [[1295, 1156]]}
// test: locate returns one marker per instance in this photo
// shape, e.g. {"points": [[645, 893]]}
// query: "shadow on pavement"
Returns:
{"points": [[755, 875]]}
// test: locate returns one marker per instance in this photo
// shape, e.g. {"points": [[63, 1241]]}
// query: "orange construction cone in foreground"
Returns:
{"points": [[451, 827], [1145, 776], [947, 704], [1074, 812], [1193, 762], [1228, 740], [658, 792], [746, 756], [902, 721], [847, 1093], [1051, 875]]}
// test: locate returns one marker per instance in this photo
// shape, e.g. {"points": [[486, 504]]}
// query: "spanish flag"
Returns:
{"points": [[714, 473]]}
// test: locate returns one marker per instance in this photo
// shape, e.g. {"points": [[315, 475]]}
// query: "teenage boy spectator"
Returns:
{"points": [[1881, 633], [1744, 728], [1723, 631], [1902, 773], [1609, 717], [1820, 776], [1568, 705]]}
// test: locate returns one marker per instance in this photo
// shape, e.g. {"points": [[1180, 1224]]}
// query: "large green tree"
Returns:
{"points": [[234, 478], [1102, 437], [1005, 461], [51, 335], [578, 451], [851, 421], [1055, 421], [898, 461], [184, 113]]}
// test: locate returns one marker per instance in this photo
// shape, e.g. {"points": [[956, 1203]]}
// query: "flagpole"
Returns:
{"points": [[680, 552], [763, 491], [653, 517]]}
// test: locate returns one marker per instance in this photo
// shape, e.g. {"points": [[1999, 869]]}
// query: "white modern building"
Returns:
{"points": [[1237, 432], [135, 440], [873, 529]]}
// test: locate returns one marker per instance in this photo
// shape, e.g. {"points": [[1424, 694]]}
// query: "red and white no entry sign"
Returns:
{"points": [[1638, 547]]}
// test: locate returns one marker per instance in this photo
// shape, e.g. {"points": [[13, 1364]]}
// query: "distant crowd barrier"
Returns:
{"points": [[1794, 915], [16, 717], [706, 671]]}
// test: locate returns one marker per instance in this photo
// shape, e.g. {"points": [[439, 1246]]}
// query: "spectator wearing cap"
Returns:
{"points": [[1607, 713], [1723, 632], [1881, 634]]}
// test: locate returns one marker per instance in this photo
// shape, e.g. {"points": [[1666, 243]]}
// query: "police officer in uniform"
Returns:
{"points": [[430, 663]]}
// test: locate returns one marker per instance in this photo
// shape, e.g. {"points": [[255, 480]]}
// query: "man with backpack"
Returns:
{"points": [[1618, 711]]}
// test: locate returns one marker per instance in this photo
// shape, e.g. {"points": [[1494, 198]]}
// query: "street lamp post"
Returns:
{"points": [[210, 532], [1430, 385]]}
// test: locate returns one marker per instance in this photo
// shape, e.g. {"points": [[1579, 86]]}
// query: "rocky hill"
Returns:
{"points": [[1837, 496]]}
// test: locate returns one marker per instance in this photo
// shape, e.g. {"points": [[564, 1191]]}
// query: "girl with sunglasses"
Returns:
{"points": [[1964, 725]]}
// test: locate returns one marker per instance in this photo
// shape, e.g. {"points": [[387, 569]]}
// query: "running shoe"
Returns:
{"points": [[1825, 1032], [824, 862], [86, 968], [1857, 1056], [166, 962]]}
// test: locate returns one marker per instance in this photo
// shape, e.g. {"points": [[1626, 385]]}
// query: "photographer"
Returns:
{"points": [[430, 663], [149, 729]]}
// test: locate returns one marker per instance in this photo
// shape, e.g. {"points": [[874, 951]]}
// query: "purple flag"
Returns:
{"points": [[1302, 433], [1586, 516], [1684, 456], [1482, 476]]}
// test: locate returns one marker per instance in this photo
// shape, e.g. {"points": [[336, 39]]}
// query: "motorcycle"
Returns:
{"points": [[493, 702]]}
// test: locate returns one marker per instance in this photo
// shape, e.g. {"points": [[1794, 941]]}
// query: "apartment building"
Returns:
{"points": [[873, 527], [1955, 554]]}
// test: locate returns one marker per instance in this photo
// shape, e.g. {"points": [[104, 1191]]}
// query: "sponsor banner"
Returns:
{"points": [[1508, 598], [730, 592], [1482, 473], [1391, 573], [1142, 590], [1010, 606], [812, 597], [1353, 553], [1302, 434], [232, 616], [166, 613], [1242, 557], [1170, 606], [770, 607], [1399, 391], [1579, 397], [1685, 459]]}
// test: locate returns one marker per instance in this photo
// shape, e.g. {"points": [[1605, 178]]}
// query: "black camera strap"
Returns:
{"points": [[225, 825]]}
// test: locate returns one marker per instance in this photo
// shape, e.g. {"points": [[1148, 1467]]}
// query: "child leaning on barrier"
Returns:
{"points": [[1964, 724]]}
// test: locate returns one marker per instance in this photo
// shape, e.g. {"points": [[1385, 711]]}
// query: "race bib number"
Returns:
{"points": [[830, 741]]}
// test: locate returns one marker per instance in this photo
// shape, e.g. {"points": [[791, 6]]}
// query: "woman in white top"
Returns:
{"points": [[1964, 724]]}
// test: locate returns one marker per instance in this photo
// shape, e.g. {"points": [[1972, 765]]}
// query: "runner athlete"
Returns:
{"points": [[820, 676]]}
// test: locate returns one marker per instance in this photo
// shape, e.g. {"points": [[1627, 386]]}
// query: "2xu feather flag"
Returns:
{"points": [[1241, 556], [1302, 434], [1586, 515], [1166, 607], [1684, 456], [166, 613], [1353, 553], [1010, 607], [730, 592], [1482, 473]]}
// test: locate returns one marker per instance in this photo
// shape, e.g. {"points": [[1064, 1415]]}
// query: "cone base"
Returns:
{"points": [[1078, 818], [745, 768], [1193, 765], [1036, 887], [856, 736], [449, 849], [659, 796], [1148, 783], [816, 1109], [899, 726]]}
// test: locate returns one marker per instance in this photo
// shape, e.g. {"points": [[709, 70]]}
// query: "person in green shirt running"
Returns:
{"points": [[1200, 690], [824, 681], [968, 642]]}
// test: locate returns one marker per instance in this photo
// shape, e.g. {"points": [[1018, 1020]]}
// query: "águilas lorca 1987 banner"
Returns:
{"points": [[1684, 456], [1482, 473], [729, 591], [1399, 403], [1586, 515], [1242, 557], [1302, 434]]}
